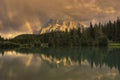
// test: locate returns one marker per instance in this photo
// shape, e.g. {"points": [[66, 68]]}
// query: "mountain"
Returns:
{"points": [[60, 25]]}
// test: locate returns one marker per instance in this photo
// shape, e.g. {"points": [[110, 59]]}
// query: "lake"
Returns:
{"points": [[88, 63]]}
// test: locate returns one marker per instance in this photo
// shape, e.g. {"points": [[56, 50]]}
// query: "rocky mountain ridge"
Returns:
{"points": [[59, 25]]}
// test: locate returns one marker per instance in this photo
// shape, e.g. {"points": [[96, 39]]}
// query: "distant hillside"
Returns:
{"points": [[68, 33]]}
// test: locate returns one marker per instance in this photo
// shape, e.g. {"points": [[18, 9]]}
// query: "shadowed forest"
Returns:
{"points": [[94, 35]]}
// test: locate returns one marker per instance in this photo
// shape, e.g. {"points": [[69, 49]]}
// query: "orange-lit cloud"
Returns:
{"points": [[28, 25], [27, 16]]}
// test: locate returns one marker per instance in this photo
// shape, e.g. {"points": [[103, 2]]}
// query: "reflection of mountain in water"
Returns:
{"points": [[74, 56]]}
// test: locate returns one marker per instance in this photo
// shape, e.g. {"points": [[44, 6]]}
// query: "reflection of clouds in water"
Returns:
{"points": [[24, 58], [36, 66]]}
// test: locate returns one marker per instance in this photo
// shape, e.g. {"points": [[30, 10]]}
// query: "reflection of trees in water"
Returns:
{"points": [[2, 52], [95, 56]]}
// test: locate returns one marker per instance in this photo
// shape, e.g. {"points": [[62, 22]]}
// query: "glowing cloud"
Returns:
{"points": [[15, 13], [29, 27]]}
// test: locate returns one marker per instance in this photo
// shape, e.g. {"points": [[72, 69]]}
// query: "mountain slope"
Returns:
{"points": [[59, 25]]}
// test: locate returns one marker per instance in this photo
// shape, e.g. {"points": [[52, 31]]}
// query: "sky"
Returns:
{"points": [[27, 16]]}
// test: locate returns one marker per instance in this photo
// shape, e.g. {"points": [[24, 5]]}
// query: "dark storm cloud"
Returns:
{"points": [[26, 16]]}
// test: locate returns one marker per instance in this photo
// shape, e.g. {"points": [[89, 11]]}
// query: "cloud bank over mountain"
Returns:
{"points": [[27, 16]]}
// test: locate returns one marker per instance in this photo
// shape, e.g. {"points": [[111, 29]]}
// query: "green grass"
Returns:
{"points": [[114, 45]]}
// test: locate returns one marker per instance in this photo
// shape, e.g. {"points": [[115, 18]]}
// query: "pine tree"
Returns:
{"points": [[92, 31]]}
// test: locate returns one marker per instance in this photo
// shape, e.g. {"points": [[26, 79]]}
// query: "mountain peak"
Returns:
{"points": [[60, 25]]}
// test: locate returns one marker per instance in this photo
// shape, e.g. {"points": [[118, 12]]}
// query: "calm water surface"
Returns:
{"points": [[60, 64]]}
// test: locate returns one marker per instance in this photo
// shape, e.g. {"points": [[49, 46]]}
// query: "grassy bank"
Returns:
{"points": [[114, 45]]}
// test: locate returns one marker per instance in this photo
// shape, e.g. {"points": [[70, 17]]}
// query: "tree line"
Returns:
{"points": [[112, 30], [94, 35]]}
